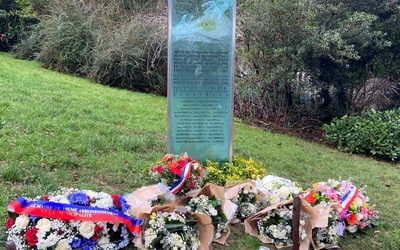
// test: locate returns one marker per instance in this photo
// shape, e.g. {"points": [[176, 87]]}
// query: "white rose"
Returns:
{"points": [[63, 245], [22, 221], [360, 216], [284, 192], [358, 201], [86, 229], [352, 229], [44, 225]]}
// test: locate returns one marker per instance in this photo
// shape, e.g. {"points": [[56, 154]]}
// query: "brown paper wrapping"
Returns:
{"points": [[322, 221], [233, 190], [204, 224], [140, 199], [227, 207], [252, 229]]}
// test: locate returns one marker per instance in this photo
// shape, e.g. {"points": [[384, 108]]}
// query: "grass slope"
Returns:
{"points": [[58, 130]]}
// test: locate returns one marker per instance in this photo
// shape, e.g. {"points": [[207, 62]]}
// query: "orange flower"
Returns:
{"points": [[310, 198], [175, 168], [352, 219]]}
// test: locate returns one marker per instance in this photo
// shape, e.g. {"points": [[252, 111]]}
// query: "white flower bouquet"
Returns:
{"points": [[173, 227], [71, 219], [247, 198], [210, 201], [274, 225], [277, 189]]}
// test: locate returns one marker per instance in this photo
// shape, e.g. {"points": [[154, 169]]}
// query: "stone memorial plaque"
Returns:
{"points": [[200, 78]]}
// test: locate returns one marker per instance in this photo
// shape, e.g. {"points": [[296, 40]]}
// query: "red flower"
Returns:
{"points": [[191, 185], [31, 237], [10, 222], [98, 229], [351, 219], [310, 198], [160, 169], [45, 198], [175, 168], [60, 232], [181, 163], [95, 237], [167, 158], [116, 201]]}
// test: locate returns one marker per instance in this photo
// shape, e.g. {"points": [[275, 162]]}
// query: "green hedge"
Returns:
{"points": [[377, 134]]}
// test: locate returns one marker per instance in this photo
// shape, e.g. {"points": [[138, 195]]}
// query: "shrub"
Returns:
{"points": [[68, 39], [30, 44], [132, 56], [238, 170], [377, 134], [9, 20]]}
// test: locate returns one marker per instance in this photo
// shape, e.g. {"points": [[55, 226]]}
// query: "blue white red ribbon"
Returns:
{"points": [[348, 198], [73, 212], [185, 175]]}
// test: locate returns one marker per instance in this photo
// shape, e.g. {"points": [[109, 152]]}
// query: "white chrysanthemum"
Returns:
{"points": [[42, 244], [52, 239], [104, 242], [149, 236], [103, 200], [75, 223], [60, 199]]}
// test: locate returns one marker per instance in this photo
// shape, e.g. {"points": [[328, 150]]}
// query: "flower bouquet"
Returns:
{"points": [[180, 173], [327, 237], [277, 189], [274, 225], [143, 199], [359, 215], [342, 207], [71, 219], [173, 227], [246, 197], [210, 201]]}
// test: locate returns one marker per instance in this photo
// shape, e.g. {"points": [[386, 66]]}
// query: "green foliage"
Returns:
{"points": [[31, 43], [331, 42], [238, 170], [377, 134], [101, 40], [132, 57], [68, 40], [9, 20], [48, 118]]}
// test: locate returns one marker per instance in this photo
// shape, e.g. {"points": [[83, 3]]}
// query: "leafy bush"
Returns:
{"points": [[238, 170], [132, 56], [68, 41], [30, 44], [377, 134], [9, 20]]}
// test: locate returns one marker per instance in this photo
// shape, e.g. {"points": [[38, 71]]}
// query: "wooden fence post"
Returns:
{"points": [[296, 223], [10, 245]]}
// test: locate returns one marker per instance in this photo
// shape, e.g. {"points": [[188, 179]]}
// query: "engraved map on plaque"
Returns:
{"points": [[200, 87]]}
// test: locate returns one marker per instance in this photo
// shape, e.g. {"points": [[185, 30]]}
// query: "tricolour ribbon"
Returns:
{"points": [[185, 175], [348, 198], [61, 211]]}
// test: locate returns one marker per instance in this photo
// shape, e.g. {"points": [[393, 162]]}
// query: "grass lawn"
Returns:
{"points": [[63, 131]]}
